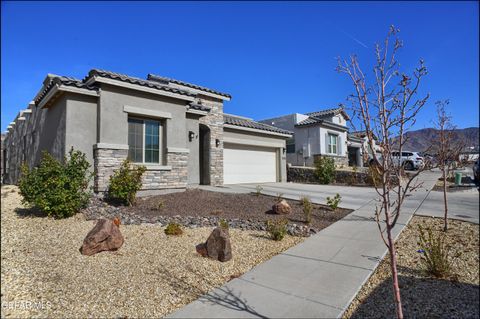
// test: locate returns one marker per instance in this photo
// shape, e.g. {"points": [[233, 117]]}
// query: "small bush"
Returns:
{"points": [[125, 183], [353, 176], [160, 205], [222, 223], [60, 189], [277, 228], [173, 229], [259, 190], [374, 177], [435, 253], [325, 170], [333, 202], [279, 196], [307, 209]]}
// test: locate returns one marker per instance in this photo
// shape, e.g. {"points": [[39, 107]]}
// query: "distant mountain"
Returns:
{"points": [[420, 140]]}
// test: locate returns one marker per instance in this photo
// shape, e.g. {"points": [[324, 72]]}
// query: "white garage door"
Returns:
{"points": [[249, 164]]}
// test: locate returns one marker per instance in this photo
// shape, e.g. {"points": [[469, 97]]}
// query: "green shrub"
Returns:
{"points": [[307, 209], [333, 202], [222, 223], [125, 183], [173, 229], [435, 253], [259, 190], [325, 170], [60, 189], [277, 228]]}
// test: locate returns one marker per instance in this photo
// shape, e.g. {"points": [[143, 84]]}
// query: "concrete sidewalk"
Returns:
{"points": [[315, 279]]}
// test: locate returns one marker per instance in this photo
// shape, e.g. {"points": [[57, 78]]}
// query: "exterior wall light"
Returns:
{"points": [[191, 135], [283, 150], [217, 142]]}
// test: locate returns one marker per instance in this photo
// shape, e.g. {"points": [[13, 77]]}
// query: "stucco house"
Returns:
{"points": [[321, 133], [178, 130]]}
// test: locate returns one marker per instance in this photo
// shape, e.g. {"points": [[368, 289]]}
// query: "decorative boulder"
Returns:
{"points": [[217, 246], [282, 207], [105, 236]]}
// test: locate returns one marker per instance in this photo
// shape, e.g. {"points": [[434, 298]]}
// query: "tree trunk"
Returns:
{"points": [[393, 266], [445, 221]]}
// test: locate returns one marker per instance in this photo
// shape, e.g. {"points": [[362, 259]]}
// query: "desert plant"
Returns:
{"points": [[307, 209], [333, 202], [160, 205], [436, 258], [353, 176], [325, 169], [374, 176], [258, 190], [173, 229], [277, 228], [125, 183], [60, 189], [222, 223], [279, 196]]}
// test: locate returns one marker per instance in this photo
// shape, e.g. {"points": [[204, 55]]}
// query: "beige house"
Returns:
{"points": [[178, 130]]}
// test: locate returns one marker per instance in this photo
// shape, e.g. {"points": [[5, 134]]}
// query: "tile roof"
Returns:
{"points": [[63, 80], [243, 122], [198, 107], [329, 112], [134, 80], [165, 80]]}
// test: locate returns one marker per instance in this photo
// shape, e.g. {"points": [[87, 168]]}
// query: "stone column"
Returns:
{"points": [[106, 159]]}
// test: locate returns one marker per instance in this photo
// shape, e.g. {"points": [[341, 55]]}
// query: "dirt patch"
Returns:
{"points": [[422, 295], [197, 202]]}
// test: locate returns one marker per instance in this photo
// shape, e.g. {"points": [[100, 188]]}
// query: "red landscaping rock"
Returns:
{"points": [[105, 236], [282, 207], [217, 246]]}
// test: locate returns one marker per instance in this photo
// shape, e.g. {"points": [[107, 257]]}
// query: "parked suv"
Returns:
{"points": [[409, 160]]}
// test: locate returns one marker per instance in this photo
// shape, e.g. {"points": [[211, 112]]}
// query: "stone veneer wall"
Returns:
{"points": [[107, 160], [214, 120], [338, 160], [177, 177]]}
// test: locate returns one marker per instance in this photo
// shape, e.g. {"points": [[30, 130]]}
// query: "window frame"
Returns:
{"points": [[161, 133], [329, 145]]}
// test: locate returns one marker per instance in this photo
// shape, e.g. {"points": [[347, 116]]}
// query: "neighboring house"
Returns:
{"points": [[176, 129], [359, 143], [322, 133], [469, 154]]}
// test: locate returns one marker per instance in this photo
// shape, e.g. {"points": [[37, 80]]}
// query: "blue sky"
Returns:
{"points": [[274, 58]]}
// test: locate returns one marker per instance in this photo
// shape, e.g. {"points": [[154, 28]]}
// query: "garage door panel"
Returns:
{"points": [[249, 164]]}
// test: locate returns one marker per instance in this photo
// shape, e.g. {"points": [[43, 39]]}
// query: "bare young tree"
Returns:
{"points": [[387, 108], [448, 150]]}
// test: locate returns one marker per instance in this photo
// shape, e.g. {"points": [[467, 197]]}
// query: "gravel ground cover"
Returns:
{"points": [[150, 276], [196, 207], [424, 296]]}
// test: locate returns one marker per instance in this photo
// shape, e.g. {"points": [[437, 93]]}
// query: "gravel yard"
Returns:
{"points": [[422, 295], [197, 202], [150, 276]]}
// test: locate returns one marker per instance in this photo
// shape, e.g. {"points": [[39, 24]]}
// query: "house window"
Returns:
{"points": [[291, 145], [145, 141], [332, 143]]}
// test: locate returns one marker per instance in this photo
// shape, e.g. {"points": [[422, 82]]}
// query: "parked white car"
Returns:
{"points": [[409, 160]]}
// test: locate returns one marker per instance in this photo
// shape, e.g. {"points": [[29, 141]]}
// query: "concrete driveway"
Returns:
{"points": [[352, 197]]}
